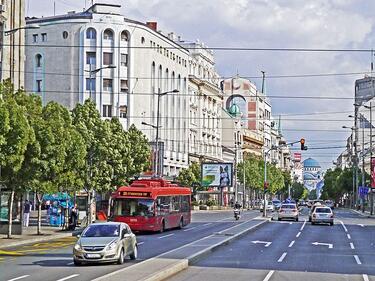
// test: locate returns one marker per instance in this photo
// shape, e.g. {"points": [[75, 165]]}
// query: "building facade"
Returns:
{"points": [[12, 41], [123, 65]]}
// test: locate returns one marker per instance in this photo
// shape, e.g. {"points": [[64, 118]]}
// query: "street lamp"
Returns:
{"points": [[91, 76], [156, 167], [355, 165], [14, 30], [273, 147]]}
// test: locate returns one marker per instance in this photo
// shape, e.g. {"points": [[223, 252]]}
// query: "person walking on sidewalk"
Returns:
{"points": [[26, 213]]}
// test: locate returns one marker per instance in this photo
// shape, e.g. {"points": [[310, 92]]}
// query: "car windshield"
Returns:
{"points": [[289, 206], [134, 207], [102, 230], [276, 202], [323, 210]]}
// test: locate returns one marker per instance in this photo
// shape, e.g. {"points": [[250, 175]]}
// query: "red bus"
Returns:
{"points": [[152, 205]]}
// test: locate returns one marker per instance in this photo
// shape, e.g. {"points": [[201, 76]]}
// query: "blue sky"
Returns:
{"points": [[327, 24]]}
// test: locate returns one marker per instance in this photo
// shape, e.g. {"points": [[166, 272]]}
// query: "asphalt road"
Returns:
{"points": [[52, 260], [295, 251]]}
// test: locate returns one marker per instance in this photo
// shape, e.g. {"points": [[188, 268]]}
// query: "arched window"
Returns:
{"points": [[160, 78], [108, 34], [91, 33], [124, 36], [38, 60], [153, 77]]}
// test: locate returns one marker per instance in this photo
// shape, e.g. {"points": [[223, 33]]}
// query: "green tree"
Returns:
{"points": [[312, 194], [16, 135], [190, 176], [297, 190]]}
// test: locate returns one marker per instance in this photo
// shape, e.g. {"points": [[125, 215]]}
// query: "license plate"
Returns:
{"points": [[93, 256]]}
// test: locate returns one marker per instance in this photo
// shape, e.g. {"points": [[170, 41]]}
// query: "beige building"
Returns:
{"points": [[13, 43]]}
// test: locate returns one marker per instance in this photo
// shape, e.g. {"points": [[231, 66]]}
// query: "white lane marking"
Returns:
{"points": [[352, 246], [298, 234], [140, 243], [191, 228], [349, 237], [68, 277], [282, 257], [268, 276], [357, 259], [291, 244], [343, 225], [207, 224], [161, 237], [365, 277], [18, 278], [267, 244], [330, 246], [290, 223], [71, 263], [303, 226], [361, 225]]}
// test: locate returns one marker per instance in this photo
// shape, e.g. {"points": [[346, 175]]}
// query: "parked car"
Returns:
{"points": [[269, 206], [288, 211], [329, 203], [105, 242], [322, 215]]}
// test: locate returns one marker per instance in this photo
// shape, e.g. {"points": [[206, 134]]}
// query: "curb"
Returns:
{"points": [[34, 240], [366, 215]]}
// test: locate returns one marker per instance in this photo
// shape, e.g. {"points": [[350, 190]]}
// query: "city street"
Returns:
{"points": [[295, 251], [53, 260]]}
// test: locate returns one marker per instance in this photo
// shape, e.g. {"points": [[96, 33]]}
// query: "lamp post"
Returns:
{"points": [[354, 166], [91, 76], [265, 178], [371, 194], [156, 165]]}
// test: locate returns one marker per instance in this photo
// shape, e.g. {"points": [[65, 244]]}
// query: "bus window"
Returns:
{"points": [[176, 204], [134, 207], [185, 204], [164, 206]]}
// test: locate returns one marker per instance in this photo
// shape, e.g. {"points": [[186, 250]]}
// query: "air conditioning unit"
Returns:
{"points": [[2, 8]]}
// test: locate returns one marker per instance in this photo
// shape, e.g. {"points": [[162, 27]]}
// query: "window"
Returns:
{"points": [[107, 58], [65, 34], [107, 85], [90, 84], [124, 86], [35, 38], [123, 111], [91, 58], [124, 36], [39, 86], [143, 40], [91, 33], [124, 59], [107, 110], [38, 59], [108, 35], [44, 37]]}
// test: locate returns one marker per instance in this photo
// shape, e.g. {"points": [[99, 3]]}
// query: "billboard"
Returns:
{"points": [[217, 174], [364, 90]]}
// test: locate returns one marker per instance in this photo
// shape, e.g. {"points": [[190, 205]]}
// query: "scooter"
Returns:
{"points": [[236, 214]]}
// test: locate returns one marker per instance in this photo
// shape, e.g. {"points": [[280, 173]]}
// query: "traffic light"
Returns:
{"points": [[303, 147], [266, 184]]}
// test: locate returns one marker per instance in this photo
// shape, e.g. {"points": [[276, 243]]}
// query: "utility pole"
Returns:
{"points": [[263, 80], [355, 156], [371, 194], [363, 160]]}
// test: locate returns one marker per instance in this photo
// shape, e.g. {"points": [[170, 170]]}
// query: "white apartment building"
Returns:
{"points": [[122, 65], [205, 104], [12, 56]]}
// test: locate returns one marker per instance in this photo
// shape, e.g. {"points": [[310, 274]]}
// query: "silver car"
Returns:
{"points": [[288, 211], [322, 215], [105, 242]]}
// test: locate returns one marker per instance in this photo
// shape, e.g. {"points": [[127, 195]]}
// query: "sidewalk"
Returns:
{"points": [[29, 236], [363, 214]]}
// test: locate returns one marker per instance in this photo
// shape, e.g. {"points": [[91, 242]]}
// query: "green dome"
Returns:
{"points": [[234, 110]]}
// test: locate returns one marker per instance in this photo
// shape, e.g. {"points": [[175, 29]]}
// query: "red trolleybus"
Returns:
{"points": [[152, 205]]}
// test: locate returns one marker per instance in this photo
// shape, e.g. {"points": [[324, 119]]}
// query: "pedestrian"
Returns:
{"points": [[73, 217], [26, 213]]}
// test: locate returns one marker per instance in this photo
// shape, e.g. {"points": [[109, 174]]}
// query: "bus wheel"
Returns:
{"points": [[181, 224], [162, 227]]}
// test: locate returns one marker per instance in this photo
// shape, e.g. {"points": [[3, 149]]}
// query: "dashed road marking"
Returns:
{"points": [[298, 234], [140, 243], [191, 228], [71, 263], [343, 225], [165, 236], [268, 276], [207, 224], [352, 246], [303, 226], [68, 277], [349, 237], [18, 278], [365, 277], [282, 257], [291, 244], [357, 259]]}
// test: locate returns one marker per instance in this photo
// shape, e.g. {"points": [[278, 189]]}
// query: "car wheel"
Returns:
{"points": [[296, 218], [76, 262], [121, 258], [134, 255], [331, 223], [279, 219], [312, 223]]}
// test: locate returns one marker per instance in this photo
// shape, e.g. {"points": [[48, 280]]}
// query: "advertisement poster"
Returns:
{"points": [[217, 174]]}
